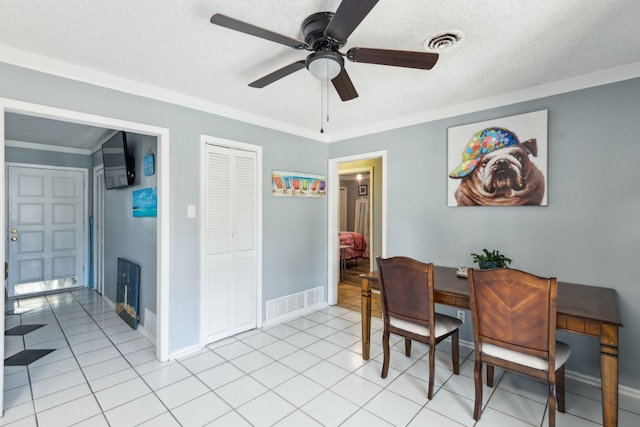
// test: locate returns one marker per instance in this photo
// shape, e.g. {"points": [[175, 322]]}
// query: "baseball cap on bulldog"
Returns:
{"points": [[481, 143]]}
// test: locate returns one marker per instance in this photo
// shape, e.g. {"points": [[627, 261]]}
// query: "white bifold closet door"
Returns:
{"points": [[231, 216]]}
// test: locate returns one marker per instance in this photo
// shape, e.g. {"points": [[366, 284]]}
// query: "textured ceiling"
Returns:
{"points": [[507, 46], [38, 130]]}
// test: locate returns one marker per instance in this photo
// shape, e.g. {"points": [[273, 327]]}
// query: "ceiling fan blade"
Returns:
{"points": [[349, 15], [277, 75], [396, 58], [245, 27], [344, 87]]}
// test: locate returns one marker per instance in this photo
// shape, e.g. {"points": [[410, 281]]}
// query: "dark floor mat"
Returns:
{"points": [[26, 357], [22, 329]]}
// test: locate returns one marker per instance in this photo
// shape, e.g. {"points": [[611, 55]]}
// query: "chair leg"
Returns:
{"points": [[455, 352], [477, 377], [490, 375], [407, 347], [432, 368], [552, 404], [560, 388], [385, 347]]}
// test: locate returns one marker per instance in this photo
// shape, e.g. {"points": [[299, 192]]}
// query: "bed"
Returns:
{"points": [[357, 247]]}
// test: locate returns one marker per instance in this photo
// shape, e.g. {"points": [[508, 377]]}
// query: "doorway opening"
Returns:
{"points": [[162, 137], [376, 164], [356, 232]]}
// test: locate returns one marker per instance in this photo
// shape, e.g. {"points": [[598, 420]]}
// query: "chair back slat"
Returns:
{"points": [[514, 308], [406, 288]]}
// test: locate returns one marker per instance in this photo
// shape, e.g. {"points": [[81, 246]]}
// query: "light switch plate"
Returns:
{"points": [[191, 211]]}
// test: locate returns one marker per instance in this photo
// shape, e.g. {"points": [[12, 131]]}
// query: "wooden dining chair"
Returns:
{"points": [[406, 291], [514, 328]]}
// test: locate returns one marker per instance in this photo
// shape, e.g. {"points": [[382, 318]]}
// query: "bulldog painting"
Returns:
{"points": [[496, 170]]}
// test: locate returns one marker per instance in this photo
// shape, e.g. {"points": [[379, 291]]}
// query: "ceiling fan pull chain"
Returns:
{"points": [[327, 89], [321, 107]]}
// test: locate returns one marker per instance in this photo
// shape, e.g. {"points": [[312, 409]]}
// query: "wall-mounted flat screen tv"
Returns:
{"points": [[118, 162]]}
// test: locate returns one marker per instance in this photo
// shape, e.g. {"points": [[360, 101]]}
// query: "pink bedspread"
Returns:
{"points": [[356, 242]]}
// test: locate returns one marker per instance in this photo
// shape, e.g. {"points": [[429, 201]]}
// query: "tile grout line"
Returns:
{"points": [[75, 356], [152, 391], [298, 325]]}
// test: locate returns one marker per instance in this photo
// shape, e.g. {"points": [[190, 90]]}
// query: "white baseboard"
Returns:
{"points": [[186, 351], [150, 335], [633, 393], [624, 390], [147, 334], [111, 303]]}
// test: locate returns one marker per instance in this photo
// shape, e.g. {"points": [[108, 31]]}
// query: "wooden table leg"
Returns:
{"points": [[609, 374], [365, 309]]}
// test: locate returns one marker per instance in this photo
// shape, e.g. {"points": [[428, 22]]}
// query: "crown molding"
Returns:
{"points": [[63, 69]]}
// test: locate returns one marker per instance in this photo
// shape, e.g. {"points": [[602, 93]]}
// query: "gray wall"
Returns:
{"points": [[294, 230], [134, 239], [294, 246], [50, 158], [587, 234]]}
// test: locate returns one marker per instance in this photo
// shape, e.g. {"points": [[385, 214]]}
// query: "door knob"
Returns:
{"points": [[14, 238], [13, 231]]}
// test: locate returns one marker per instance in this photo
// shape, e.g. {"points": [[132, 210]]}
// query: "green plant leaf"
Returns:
{"points": [[493, 255]]}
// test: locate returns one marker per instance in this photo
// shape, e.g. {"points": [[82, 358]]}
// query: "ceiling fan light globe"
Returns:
{"points": [[324, 65]]}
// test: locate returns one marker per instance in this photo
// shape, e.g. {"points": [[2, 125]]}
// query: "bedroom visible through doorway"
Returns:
{"points": [[372, 195], [354, 234]]}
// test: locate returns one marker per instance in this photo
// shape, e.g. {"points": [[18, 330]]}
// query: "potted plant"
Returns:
{"points": [[491, 259]]}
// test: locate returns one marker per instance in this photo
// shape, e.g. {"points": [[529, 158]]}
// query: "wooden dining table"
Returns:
{"points": [[581, 309]]}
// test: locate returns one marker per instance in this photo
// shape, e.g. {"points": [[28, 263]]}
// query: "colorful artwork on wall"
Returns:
{"points": [[145, 202], [295, 184], [499, 162]]}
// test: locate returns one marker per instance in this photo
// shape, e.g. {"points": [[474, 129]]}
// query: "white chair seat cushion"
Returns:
{"points": [[444, 325], [562, 354]]}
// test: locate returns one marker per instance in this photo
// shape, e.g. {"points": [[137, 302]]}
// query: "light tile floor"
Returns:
{"points": [[305, 372]]}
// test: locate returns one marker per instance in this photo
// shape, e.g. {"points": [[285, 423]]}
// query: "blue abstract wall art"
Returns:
{"points": [[145, 202]]}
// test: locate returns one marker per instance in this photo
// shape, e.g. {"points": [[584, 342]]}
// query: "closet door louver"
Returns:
{"points": [[231, 241], [244, 239]]}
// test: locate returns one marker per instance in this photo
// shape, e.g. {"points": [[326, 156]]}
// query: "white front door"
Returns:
{"points": [[231, 242], [45, 224]]}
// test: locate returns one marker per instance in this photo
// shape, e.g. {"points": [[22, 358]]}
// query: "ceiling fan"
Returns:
{"points": [[324, 34]]}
